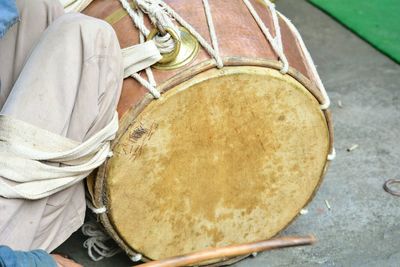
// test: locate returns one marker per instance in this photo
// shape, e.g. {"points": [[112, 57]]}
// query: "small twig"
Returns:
{"points": [[352, 148], [327, 204]]}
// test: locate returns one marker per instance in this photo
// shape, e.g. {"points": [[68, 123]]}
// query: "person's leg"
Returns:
{"points": [[17, 44], [97, 95], [70, 85], [15, 48], [62, 85]]}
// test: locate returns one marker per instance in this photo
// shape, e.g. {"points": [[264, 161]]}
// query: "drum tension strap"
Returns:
{"points": [[139, 57]]}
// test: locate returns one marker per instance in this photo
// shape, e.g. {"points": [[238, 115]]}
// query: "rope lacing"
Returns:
{"points": [[210, 50], [326, 101], [149, 73], [99, 244], [158, 17], [157, 14], [162, 15], [276, 42]]}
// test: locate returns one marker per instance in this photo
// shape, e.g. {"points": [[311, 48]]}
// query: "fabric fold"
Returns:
{"points": [[140, 57], [29, 157]]}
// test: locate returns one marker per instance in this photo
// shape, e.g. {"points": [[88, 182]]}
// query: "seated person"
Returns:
{"points": [[62, 74]]}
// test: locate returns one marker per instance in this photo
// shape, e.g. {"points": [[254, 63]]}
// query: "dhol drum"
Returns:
{"points": [[236, 145]]}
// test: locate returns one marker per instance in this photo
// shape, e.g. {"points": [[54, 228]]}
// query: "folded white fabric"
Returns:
{"points": [[75, 5], [35, 163], [140, 56]]}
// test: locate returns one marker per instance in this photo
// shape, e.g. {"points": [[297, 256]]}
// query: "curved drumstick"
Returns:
{"points": [[231, 251]]}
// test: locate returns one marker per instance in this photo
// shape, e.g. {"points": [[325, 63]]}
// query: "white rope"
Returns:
{"points": [[310, 63], [276, 43], [99, 244], [156, 94], [278, 36], [95, 210], [148, 70], [210, 50], [161, 15], [332, 155], [157, 8], [326, 101], [137, 257], [152, 81], [135, 18], [157, 15], [213, 35], [26, 151]]}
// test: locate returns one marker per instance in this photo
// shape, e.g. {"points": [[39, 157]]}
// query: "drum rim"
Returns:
{"points": [[100, 187]]}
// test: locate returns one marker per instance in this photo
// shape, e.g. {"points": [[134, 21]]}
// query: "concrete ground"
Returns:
{"points": [[363, 227]]}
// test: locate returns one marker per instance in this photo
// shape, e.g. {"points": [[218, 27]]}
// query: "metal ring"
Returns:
{"points": [[387, 188], [174, 53]]}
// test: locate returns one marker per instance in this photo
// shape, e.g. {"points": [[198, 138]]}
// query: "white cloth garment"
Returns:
{"points": [[24, 161], [26, 151], [75, 5], [63, 74]]}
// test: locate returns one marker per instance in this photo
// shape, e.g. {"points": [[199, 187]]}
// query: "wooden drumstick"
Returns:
{"points": [[231, 251]]}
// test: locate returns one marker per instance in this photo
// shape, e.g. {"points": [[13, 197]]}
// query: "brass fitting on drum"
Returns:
{"points": [[185, 50], [168, 57]]}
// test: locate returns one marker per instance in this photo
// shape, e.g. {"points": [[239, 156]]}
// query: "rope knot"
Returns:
{"points": [[164, 43], [160, 18]]}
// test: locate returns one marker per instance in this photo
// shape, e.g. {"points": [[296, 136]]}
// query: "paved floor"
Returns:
{"points": [[363, 227]]}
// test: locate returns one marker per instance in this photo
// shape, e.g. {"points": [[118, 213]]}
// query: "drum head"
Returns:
{"points": [[227, 157]]}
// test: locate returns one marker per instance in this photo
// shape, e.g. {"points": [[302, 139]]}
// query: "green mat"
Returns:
{"points": [[376, 21]]}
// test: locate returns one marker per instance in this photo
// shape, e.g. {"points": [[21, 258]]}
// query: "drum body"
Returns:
{"points": [[225, 156]]}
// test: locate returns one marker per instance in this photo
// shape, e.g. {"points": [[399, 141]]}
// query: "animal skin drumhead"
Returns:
{"points": [[227, 157]]}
